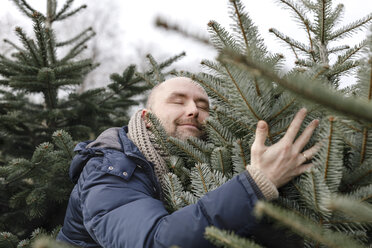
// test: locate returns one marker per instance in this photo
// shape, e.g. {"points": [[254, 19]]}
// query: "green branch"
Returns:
{"points": [[308, 89]]}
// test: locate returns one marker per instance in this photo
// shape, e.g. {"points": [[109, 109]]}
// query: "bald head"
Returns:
{"points": [[159, 87]]}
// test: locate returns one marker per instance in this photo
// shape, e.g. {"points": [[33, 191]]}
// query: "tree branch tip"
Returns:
{"points": [[211, 23], [36, 14], [259, 209], [271, 30], [331, 118]]}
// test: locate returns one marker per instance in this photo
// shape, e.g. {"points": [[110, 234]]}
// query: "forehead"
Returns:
{"points": [[184, 87]]}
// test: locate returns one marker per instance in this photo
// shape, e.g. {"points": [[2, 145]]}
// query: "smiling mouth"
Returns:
{"points": [[189, 125]]}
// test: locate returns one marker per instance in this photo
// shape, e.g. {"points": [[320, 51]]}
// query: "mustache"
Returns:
{"points": [[193, 122]]}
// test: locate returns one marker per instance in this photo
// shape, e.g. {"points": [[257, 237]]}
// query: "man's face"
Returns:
{"points": [[182, 107]]}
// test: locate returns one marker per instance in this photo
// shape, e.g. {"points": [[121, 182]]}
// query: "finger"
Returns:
{"points": [[303, 168], [295, 125], [302, 158], [305, 136], [309, 153], [261, 135]]}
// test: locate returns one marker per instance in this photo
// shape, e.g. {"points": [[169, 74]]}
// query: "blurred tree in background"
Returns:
{"points": [[41, 94]]}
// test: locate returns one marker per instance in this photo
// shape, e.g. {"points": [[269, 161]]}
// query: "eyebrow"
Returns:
{"points": [[182, 95]]}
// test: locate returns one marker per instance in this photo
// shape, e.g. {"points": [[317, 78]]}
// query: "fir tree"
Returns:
{"points": [[247, 84]]}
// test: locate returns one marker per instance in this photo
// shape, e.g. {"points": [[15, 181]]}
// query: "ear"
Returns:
{"points": [[144, 117]]}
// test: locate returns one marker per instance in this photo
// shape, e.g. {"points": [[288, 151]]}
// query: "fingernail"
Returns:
{"points": [[304, 110], [315, 122], [261, 125]]}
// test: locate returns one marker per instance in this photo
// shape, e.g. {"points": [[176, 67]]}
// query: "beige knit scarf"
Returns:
{"points": [[144, 139]]}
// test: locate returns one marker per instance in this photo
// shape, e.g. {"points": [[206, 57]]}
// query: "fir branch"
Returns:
{"points": [[353, 27], [236, 120], [77, 37], [220, 160], [360, 174], [258, 91], [32, 10], [65, 7], [213, 89], [220, 35], [14, 45], [228, 239], [28, 44], [291, 42], [239, 157], [322, 22], [40, 37], [201, 176], [306, 228], [188, 150], [158, 130], [201, 145], [240, 23], [338, 48], [351, 52], [359, 211], [64, 141], [77, 48], [23, 8], [306, 22], [158, 75], [72, 66], [306, 88], [18, 67], [241, 93], [64, 16], [300, 13], [159, 22], [172, 189], [281, 110], [329, 145], [364, 145], [8, 239], [219, 134], [341, 68]]}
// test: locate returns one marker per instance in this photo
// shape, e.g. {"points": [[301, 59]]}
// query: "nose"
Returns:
{"points": [[192, 110]]}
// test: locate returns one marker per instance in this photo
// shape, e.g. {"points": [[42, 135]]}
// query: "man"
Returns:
{"points": [[116, 201]]}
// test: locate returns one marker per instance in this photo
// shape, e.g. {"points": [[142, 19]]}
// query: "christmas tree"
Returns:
{"points": [[248, 84], [34, 185]]}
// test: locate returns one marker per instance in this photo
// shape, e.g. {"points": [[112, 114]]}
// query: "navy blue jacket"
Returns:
{"points": [[116, 203]]}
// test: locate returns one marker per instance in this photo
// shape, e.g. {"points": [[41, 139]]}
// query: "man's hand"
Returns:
{"points": [[283, 161]]}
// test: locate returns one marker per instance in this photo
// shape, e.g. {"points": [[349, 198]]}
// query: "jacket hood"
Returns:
{"points": [[109, 139]]}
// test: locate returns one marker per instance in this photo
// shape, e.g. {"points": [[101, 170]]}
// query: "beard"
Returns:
{"points": [[179, 133]]}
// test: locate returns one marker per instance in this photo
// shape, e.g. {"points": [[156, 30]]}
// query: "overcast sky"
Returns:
{"points": [[137, 18]]}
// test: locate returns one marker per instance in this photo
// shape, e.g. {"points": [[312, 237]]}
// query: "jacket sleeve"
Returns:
{"points": [[124, 213]]}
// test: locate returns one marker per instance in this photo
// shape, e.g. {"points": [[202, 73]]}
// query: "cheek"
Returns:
{"points": [[203, 116]]}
